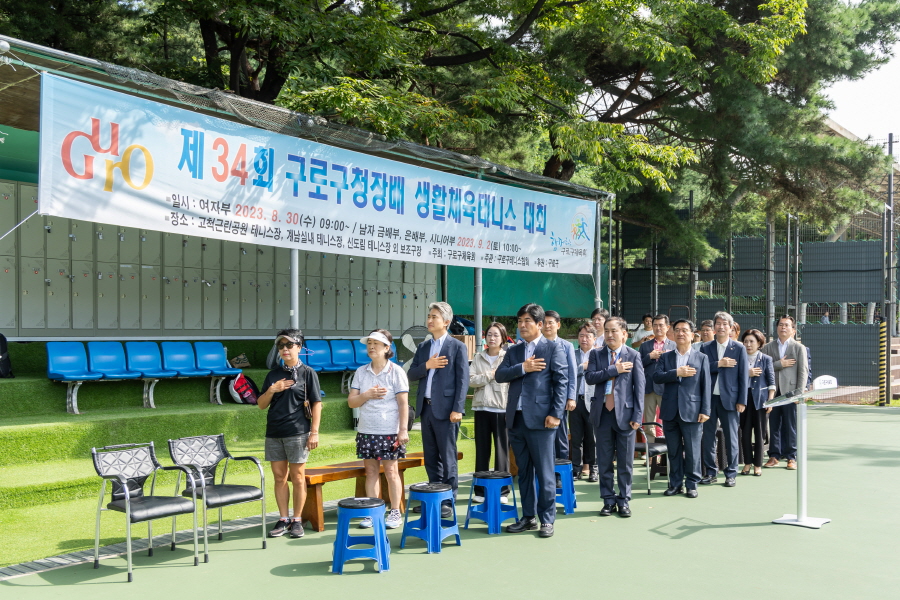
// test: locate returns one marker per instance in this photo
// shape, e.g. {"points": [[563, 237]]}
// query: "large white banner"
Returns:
{"points": [[113, 158]]}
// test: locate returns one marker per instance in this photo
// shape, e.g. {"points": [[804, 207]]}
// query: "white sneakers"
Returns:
{"points": [[480, 499], [393, 521]]}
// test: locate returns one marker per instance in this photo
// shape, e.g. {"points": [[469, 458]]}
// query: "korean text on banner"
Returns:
{"points": [[112, 158]]}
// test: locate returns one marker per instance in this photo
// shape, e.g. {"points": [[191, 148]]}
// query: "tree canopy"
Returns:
{"points": [[624, 95]]}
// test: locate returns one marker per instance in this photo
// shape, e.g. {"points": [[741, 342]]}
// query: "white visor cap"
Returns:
{"points": [[377, 336]]}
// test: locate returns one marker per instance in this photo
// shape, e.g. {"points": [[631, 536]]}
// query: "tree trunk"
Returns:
{"points": [[211, 51], [558, 168]]}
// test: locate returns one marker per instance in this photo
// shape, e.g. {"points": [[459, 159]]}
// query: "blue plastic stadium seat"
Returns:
{"points": [[109, 358], [320, 357], [67, 361], [362, 355], [179, 356], [342, 354], [211, 355], [145, 357]]}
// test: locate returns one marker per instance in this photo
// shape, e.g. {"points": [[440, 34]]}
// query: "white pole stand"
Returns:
{"points": [[801, 519]]}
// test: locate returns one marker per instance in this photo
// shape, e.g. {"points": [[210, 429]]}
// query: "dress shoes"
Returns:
{"points": [[624, 511], [792, 465], [417, 508], [446, 511], [523, 524], [576, 472], [595, 474], [607, 510], [691, 494], [730, 482], [546, 530], [673, 491], [709, 480], [772, 462]]}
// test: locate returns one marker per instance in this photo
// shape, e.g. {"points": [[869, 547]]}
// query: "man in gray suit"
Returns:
{"points": [[441, 366], [791, 372], [538, 375], [685, 407], [729, 369], [618, 377], [651, 350], [550, 330]]}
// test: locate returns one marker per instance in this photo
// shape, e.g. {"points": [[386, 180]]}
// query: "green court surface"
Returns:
{"points": [[721, 545]]}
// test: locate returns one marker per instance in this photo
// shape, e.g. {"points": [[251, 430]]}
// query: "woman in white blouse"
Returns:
{"points": [[489, 406], [380, 390]]}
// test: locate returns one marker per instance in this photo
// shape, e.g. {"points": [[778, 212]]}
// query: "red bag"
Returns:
{"points": [[243, 390]]}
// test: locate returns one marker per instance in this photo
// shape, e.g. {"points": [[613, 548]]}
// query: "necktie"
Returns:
{"points": [[610, 397]]}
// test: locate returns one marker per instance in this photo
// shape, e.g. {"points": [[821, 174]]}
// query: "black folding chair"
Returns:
{"points": [[128, 466], [650, 450], [202, 454]]}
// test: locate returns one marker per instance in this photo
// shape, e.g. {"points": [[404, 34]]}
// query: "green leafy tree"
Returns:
{"points": [[87, 27]]}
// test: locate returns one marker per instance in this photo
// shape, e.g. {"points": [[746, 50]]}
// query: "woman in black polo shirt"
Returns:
{"points": [[292, 429]]}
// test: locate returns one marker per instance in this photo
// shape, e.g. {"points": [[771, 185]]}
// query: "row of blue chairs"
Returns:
{"points": [[147, 361], [339, 356], [336, 356]]}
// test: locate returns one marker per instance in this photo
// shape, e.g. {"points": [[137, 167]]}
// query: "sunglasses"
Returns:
{"points": [[287, 345]]}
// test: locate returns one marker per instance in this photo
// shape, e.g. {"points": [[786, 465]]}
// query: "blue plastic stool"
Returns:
{"points": [[430, 527], [491, 511], [566, 494], [357, 508]]}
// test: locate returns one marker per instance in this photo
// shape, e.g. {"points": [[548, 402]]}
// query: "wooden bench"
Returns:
{"points": [[317, 477]]}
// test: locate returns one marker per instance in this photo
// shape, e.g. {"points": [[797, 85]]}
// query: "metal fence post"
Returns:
{"points": [[883, 380]]}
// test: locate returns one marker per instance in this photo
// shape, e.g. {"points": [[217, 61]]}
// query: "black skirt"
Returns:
{"points": [[378, 446]]}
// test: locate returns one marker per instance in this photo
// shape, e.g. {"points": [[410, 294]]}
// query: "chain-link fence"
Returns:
{"points": [[832, 282]]}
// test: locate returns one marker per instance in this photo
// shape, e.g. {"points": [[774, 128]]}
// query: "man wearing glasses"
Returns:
{"points": [[686, 400], [292, 427]]}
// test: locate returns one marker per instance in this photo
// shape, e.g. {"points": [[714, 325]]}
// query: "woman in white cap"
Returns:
{"points": [[380, 390]]}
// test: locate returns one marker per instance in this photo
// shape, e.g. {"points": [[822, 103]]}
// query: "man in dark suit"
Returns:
{"points": [[441, 366], [685, 407], [729, 370], [651, 350], [538, 375], [616, 411]]}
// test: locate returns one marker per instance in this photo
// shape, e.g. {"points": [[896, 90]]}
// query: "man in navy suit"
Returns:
{"points": [[685, 407], [729, 370], [441, 365], [538, 375], [616, 410], [651, 350]]}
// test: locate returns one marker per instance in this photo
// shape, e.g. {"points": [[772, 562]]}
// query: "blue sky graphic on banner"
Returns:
{"points": [[112, 158]]}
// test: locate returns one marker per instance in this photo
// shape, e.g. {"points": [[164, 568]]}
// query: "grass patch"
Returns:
{"points": [[35, 395], [78, 534]]}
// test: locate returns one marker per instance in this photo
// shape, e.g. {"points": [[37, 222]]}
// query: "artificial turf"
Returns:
{"points": [[722, 544], [77, 515]]}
